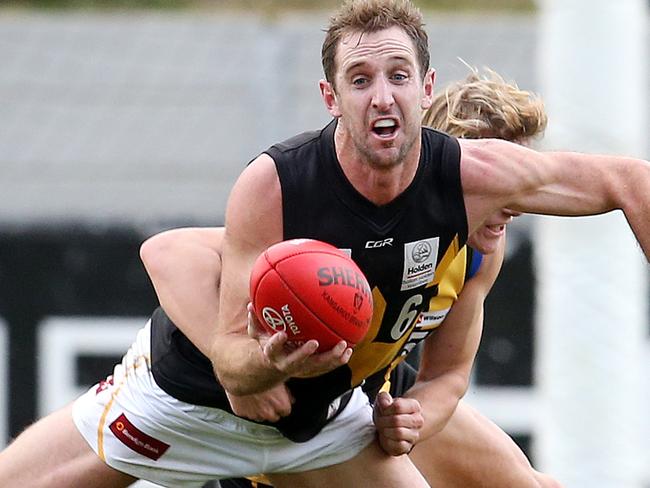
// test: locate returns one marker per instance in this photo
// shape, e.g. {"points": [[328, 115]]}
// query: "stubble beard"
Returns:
{"points": [[376, 161]]}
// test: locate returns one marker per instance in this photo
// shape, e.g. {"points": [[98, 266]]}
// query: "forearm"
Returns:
{"points": [[241, 366], [438, 398]]}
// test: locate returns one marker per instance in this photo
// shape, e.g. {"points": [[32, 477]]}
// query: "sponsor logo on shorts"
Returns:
{"points": [[104, 385], [419, 262], [135, 439]]}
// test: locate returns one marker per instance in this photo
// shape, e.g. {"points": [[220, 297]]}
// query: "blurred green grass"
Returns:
{"points": [[261, 5]]}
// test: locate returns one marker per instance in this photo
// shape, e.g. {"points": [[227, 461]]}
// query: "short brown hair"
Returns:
{"points": [[373, 16], [487, 106]]}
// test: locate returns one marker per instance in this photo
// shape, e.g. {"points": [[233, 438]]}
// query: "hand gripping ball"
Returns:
{"points": [[311, 290]]}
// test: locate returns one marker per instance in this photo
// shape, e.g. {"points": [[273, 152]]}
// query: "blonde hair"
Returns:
{"points": [[368, 16], [487, 106]]}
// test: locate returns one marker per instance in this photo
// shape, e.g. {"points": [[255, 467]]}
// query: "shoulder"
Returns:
{"points": [[302, 142], [255, 204], [296, 142], [260, 172], [437, 139]]}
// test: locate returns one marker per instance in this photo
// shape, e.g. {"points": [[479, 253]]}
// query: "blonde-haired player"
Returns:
{"points": [[371, 175]]}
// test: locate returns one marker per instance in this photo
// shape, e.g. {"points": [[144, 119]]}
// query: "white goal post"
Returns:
{"points": [[592, 311]]}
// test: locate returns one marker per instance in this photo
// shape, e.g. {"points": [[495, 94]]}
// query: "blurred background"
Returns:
{"points": [[122, 118]]}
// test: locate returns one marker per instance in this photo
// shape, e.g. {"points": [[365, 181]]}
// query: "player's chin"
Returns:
{"points": [[484, 244]]}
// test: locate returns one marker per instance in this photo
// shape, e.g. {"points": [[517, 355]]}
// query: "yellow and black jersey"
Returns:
{"points": [[373, 361], [405, 248]]}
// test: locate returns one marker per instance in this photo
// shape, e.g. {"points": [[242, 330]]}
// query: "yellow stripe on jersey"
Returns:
{"points": [[450, 256], [449, 287], [371, 356]]}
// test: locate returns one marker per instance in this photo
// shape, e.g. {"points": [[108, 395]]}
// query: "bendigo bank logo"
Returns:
{"points": [[135, 439]]}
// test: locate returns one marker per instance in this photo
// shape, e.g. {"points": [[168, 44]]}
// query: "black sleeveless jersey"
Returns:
{"points": [[404, 248]]}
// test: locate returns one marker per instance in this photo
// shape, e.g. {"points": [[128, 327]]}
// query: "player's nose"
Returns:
{"points": [[382, 96]]}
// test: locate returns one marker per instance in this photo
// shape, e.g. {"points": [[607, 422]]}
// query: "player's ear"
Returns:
{"points": [[427, 89], [329, 97]]}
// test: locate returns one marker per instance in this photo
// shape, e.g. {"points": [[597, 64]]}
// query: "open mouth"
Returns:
{"points": [[385, 128], [496, 229]]}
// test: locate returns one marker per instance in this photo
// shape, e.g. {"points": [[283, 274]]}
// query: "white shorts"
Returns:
{"points": [[137, 428]]}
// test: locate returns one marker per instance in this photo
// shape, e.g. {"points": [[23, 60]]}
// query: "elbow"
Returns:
{"points": [[153, 252], [462, 385], [167, 251]]}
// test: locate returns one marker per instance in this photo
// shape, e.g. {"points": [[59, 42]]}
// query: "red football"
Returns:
{"points": [[311, 290]]}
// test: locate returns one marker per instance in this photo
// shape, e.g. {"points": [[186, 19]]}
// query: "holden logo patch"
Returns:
{"points": [[419, 262], [421, 251]]}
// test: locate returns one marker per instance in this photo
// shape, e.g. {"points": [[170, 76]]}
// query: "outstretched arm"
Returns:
{"points": [[497, 174]]}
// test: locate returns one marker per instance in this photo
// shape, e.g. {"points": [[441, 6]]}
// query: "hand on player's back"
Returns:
{"points": [[268, 406]]}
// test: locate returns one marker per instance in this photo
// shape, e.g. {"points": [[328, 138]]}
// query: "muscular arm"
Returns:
{"points": [[449, 353], [497, 174], [253, 222], [185, 268]]}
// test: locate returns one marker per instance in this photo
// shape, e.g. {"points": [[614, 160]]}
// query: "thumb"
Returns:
{"points": [[384, 400]]}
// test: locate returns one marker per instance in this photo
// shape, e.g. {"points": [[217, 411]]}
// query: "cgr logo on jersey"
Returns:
{"points": [[382, 243], [419, 262]]}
